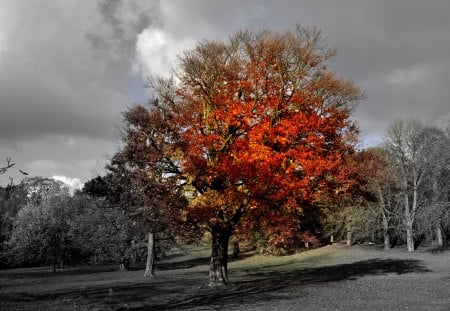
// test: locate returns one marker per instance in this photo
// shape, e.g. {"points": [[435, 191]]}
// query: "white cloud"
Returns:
{"points": [[157, 51], [72, 183]]}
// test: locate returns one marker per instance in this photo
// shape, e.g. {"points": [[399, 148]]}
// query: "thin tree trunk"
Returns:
{"points": [[408, 219], [55, 258], [387, 240], [150, 264], [236, 249], [349, 235], [412, 214], [436, 194], [409, 229], [439, 241], [409, 233], [218, 266]]}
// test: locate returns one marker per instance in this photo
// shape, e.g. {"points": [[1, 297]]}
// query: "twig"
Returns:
{"points": [[8, 166]]}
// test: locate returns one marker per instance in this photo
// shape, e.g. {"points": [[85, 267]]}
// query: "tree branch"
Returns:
{"points": [[9, 164]]}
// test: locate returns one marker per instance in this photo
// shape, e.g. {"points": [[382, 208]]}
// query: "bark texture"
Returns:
{"points": [[408, 220], [218, 266], [387, 241], [150, 264], [439, 239], [409, 233]]}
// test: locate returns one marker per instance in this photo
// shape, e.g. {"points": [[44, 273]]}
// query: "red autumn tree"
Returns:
{"points": [[257, 124]]}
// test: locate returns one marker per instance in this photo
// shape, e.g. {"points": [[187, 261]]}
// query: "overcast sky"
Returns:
{"points": [[68, 68]]}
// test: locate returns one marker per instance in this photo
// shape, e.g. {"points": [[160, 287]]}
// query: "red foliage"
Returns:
{"points": [[258, 126], [278, 150]]}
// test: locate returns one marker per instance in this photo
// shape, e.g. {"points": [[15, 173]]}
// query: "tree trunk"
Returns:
{"points": [[218, 266], [439, 240], [150, 264], [409, 233], [61, 263], [409, 226], [349, 235], [55, 259], [408, 221], [387, 240], [236, 249]]}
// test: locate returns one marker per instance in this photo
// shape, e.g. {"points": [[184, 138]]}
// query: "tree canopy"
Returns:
{"points": [[255, 124]]}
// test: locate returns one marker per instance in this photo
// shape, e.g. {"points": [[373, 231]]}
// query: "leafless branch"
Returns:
{"points": [[8, 165]]}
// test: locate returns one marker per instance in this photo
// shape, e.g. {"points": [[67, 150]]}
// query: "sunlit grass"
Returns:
{"points": [[310, 258], [250, 260]]}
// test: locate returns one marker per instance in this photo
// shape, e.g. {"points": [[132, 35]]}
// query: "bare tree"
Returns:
{"points": [[434, 198], [405, 145]]}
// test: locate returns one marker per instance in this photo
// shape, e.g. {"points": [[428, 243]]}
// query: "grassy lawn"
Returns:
{"points": [[328, 278]]}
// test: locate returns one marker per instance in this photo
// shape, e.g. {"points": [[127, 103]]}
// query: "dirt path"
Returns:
{"points": [[330, 278]]}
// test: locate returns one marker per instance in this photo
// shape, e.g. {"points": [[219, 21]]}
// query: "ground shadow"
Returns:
{"points": [[184, 264], [184, 293], [191, 263], [439, 249], [45, 272], [266, 286]]}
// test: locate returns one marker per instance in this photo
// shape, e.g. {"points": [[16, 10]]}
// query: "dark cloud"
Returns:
{"points": [[67, 69], [397, 51], [121, 22], [67, 73]]}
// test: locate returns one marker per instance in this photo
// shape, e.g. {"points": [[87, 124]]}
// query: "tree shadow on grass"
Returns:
{"points": [[191, 263], [45, 272], [439, 249], [184, 264], [269, 285], [184, 293]]}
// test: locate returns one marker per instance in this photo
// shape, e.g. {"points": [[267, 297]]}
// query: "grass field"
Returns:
{"points": [[329, 278]]}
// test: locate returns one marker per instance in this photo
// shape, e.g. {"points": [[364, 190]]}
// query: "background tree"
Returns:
{"points": [[52, 227], [12, 199], [39, 189], [39, 233], [100, 232], [280, 232], [257, 123], [425, 187], [349, 215], [433, 199], [405, 145], [383, 185], [99, 187], [108, 196], [152, 195]]}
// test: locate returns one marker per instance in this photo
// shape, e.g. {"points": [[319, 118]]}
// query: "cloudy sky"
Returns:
{"points": [[68, 68]]}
